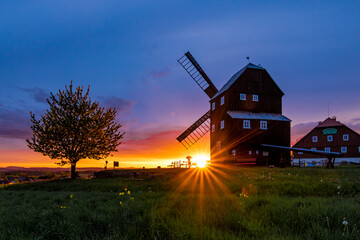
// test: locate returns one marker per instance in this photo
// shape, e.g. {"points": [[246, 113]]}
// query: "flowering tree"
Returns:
{"points": [[75, 128]]}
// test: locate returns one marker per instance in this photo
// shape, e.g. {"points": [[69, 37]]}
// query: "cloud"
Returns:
{"points": [[354, 124], [159, 74], [303, 128], [300, 130], [38, 94], [155, 74], [14, 124], [121, 105]]}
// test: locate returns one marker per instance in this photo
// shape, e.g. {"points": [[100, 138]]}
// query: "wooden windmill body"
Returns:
{"points": [[244, 114]]}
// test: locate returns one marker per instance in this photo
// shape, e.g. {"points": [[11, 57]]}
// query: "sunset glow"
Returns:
{"points": [[200, 161]]}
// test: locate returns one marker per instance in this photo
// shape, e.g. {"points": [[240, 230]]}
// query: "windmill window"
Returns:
{"points": [[213, 128], [213, 106], [257, 151], [250, 152], [314, 138], [246, 124], [255, 98], [242, 96], [329, 138], [218, 145], [222, 124], [346, 137], [263, 124], [222, 100], [327, 149], [343, 149], [233, 152]]}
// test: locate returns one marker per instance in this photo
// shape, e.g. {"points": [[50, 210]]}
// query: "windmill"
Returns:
{"points": [[244, 114], [198, 129]]}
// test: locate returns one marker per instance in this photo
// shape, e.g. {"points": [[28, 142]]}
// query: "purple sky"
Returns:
{"points": [[127, 52]]}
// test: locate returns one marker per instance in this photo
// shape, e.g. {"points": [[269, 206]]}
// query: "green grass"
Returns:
{"points": [[241, 203]]}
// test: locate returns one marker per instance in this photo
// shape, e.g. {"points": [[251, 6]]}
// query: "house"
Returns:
{"points": [[330, 135], [245, 113]]}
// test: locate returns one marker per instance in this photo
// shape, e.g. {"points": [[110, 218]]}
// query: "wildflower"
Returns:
{"points": [[289, 174], [321, 180], [128, 192], [339, 187], [62, 207], [122, 193], [338, 193], [125, 189], [71, 196], [243, 195], [345, 223], [120, 203]]}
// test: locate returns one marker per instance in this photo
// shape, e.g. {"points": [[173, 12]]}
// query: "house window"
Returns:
{"points": [[313, 149], [250, 152], [265, 154], [343, 149], [246, 124], [233, 152], [213, 106], [218, 145], [242, 96], [327, 149], [314, 139], [213, 128], [255, 98], [263, 124], [329, 138], [257, 151], [222, 100], [222, 124], [346, 137]]}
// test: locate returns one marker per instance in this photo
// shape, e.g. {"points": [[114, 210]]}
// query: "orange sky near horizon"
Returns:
{"points": [[159, 150]]}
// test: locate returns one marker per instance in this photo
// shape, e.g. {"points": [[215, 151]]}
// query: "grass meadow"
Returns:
{"points": [[211, 203]]}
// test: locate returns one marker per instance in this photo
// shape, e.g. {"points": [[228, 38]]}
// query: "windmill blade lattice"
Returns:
{"points": [[196, 131], [193, 68]]}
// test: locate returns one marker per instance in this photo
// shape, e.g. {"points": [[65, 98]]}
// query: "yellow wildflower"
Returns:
{"points": [[125, 189], [71, 196], [120, 203], [128, 192], [122, 193]]}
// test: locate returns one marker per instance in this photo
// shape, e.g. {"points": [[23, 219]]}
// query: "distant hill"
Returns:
{"points": [[45, 169]]}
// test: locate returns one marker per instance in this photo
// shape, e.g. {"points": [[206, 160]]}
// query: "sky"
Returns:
{"points": [[127, 51]]}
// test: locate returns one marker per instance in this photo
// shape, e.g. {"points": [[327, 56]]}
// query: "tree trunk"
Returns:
{"points": [[73, 170]]}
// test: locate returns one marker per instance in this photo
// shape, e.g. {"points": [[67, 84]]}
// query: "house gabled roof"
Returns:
{"points": [[258, 116], [330, 122], [236, 77]]}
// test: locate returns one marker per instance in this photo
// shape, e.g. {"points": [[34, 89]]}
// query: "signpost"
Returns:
{"points": [[116, 164]]}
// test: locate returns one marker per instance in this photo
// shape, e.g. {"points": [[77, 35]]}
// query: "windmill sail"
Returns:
{"points": [[193, 68], [195, 131]]}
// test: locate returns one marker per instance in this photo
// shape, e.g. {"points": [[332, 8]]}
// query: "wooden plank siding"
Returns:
{"points": [[234, 136], [353, 144]]}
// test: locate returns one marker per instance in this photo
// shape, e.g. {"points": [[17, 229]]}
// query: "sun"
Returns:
{"points": [[200, 161]]}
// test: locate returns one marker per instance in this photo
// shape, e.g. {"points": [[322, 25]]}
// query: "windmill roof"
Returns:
{"points": [[258, 116], [330, 122], [235, 77]]}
